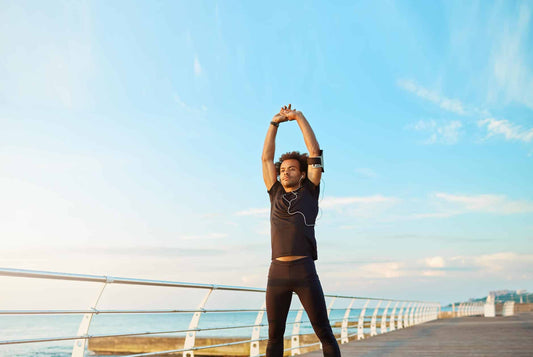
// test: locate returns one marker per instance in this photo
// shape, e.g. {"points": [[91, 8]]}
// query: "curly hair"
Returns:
{"points": [[294, 155]]}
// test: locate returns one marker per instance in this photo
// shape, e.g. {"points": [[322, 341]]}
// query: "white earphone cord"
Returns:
{"points": [[303, 215]]}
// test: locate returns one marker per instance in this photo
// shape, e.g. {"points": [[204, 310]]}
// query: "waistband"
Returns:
{"points": [[305, 260]]}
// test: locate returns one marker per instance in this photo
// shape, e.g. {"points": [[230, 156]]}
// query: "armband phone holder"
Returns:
{"points": [[317, 162]]}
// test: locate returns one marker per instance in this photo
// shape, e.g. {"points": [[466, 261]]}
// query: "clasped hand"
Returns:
{"points": [[286, 114]]}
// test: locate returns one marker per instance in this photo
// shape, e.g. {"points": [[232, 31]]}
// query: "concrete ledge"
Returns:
{"points": [[141, 344]]}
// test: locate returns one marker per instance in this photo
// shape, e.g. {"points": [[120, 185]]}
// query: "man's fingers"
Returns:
{"points": [[289, 106]]}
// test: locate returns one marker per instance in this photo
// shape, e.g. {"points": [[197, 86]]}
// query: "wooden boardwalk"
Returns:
{"points": [[465, 336]]}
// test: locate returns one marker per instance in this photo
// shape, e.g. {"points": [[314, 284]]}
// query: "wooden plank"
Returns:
{"points": [[465, 336]]}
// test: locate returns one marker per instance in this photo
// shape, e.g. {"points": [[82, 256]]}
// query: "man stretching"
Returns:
{"points": [[294, 207]]}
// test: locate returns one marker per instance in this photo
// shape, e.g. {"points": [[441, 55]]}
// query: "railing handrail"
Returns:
{"points": [[24, 273], [410, 313], [100, 312]]}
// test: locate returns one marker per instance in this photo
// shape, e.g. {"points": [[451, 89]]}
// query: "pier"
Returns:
{"points": [[462, 336], [365, 326]]}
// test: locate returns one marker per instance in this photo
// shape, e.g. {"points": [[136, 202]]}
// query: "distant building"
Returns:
{"points": [[502, 292]]}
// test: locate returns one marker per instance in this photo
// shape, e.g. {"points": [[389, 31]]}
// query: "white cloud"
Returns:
{"points": [[435, 214], [197, 66], [435, 262], [447, 133], [508, 130], [486, 203], [336, 202], [433, 273], [213, 235], [187, 107], [496, 266], [363, 171], [382, 270], [364, 207], [451, 105], [448, 205], [512, 77], [507, 263]]}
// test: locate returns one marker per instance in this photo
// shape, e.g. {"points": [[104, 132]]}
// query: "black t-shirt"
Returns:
{"points": [[292, 219]]}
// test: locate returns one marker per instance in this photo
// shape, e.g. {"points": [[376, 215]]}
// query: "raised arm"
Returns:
{"points": [[314, 174], [269, 148]]}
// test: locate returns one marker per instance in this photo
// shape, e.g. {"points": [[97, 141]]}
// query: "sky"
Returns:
{"points": [[131, 136]]}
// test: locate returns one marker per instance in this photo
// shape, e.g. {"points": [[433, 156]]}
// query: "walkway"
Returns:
{"points": [[465, 336]]}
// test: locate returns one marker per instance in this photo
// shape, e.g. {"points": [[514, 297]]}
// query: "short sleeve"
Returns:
{"points": [[274, 189], [315, 190]]}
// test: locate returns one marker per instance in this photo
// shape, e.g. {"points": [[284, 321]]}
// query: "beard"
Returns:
{"points": [[291, 183]]}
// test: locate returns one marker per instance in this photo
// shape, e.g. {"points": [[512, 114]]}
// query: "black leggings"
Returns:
{"points": [[297, 276]]}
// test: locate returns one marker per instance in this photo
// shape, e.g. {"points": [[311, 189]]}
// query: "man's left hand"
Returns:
{"points": [[290, 114]]}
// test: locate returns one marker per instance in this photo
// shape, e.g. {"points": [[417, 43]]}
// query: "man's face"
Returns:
{"points": [[290, 174]]}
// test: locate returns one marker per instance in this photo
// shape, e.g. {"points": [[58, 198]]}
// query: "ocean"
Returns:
{"points": [[43, 326]]}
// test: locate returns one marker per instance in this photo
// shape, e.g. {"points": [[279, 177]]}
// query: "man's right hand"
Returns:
{"points": [[278, 118]]}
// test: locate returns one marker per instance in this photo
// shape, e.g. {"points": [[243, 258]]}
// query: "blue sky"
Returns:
{"points": [[132, 133]]}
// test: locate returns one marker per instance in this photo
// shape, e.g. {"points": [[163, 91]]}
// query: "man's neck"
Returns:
{"points": [[292, 188]]}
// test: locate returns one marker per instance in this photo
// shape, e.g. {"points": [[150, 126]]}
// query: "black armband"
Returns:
{"points": [[317, 161]]}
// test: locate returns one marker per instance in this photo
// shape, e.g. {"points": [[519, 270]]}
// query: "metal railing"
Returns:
{"points": [[374, 316], [470, 309]]}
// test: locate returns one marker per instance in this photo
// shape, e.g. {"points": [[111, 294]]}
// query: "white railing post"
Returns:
{"points": [[384, 319], [489, 309], [416, 313], [420, 314], [254, 345], [406, 315], [193, 326], [344, 329], [373, 331], [361, 323], [79, 345], [295, 339], [412, 315], [508, 308], [399, 323], [392, 322], [330, 306], [423, 313]]}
